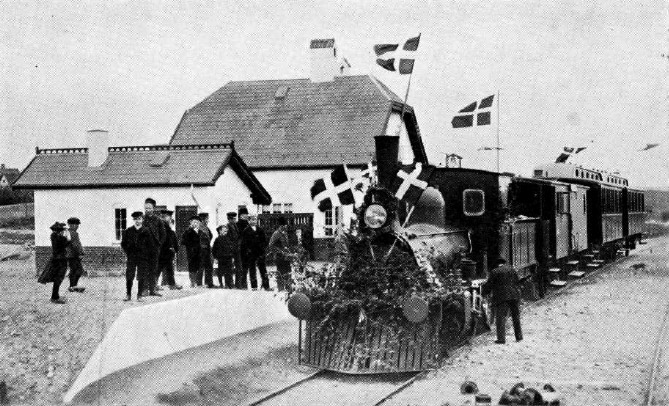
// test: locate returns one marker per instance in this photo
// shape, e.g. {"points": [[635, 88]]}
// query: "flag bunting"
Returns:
{"points": [[480, 110], [334, 190], [388, 54], [411, 181]]}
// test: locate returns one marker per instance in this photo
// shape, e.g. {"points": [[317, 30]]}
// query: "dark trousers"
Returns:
{"points": [[76, 270], [140, 268], [501, 311], [226, 271], [206, 268], [250, 265], [240, 271], [166, 266], [194, 269], [59, 269], [283, 280], [154, 271]]}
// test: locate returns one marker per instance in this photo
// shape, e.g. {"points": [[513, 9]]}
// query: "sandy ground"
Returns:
{"points": [[44, 346], [594, 341]]}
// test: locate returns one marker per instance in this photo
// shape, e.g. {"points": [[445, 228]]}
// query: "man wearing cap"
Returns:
{"points": [[156, 228], [503, 283], [74, 251], [138, 244], [235, 237], [57, 266], [191, 240], [253, 246], [168, 252], [206, 265]]}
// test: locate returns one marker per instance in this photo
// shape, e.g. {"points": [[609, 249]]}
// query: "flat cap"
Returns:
{"points": [[137, 214], [73, 220]]}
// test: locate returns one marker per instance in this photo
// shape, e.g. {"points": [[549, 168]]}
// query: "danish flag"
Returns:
{"points": [[411, 181], [334, 190]]}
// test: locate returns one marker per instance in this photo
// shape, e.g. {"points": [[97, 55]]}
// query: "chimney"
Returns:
{"points": [[97, 142], [326, 62], [387, 152]]}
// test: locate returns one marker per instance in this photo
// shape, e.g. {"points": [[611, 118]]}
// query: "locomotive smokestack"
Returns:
{"points": [[387, 152]]}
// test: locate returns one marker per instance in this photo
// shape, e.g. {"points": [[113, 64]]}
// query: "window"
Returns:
{"points": [[473, 202], [287, 207], [332, 219], [584, 205], [562, 202], [266, 209], [276, 208], [120, 223]]}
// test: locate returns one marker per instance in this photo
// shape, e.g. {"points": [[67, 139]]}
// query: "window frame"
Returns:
{"points": [[464, 202], [118, 232]]}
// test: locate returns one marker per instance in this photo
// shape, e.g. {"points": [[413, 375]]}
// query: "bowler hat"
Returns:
{"points": [[150, 200], [203, 215], [194, 217], [231, 214], [73, 220], [243, 210], [57, 226], [137, 214], [167, 211]]}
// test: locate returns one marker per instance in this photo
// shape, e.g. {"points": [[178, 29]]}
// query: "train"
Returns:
{"points": [[407, 286]]}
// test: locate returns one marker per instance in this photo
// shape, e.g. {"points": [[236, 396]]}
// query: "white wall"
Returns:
{"points": [[95, 207], [294, 187], [406, 155]]}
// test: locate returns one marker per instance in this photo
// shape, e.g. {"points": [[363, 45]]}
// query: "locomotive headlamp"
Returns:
{"points": [[375, 216]]}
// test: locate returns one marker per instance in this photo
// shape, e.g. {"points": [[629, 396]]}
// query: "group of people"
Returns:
{"points": [[151, 245], [66, 253], [240, 249]]}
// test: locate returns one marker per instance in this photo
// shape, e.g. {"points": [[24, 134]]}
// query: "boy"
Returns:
{"points": [[224, 251], [74, 251]]}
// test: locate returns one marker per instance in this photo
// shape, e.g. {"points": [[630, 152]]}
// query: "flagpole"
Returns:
{"points": [[498, 131], [406, 97]]}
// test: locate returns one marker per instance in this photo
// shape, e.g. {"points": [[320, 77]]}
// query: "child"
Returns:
{"points": [[224, 252]]}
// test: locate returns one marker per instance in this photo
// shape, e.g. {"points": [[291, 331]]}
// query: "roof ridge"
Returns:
{"points": [[138, 148]]}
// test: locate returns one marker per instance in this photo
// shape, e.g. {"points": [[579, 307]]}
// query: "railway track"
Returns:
{"points": [[657, 393]]}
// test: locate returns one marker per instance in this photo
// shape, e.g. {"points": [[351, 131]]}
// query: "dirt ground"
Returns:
{"points": [[44, 346]]}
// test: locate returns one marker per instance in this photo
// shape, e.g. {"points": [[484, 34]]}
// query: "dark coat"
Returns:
{"points": [[56, 267], [74, 249], [241, 225], [171, 246], [278, 245], [503, 283], [156, 227], [137, 244], [223, 247], [233, 232], [253, 243], [191, 240]]}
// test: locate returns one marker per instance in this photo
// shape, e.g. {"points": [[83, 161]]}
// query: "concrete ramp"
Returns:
{"points": [[153, 331]]}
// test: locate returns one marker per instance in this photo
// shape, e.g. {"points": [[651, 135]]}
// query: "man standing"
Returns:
{"points": [[278, 247], [168, 252], [253, 246], [223, 251], [74, 251], [191, 240], [206, 265], [235, 236], [503, 283], [243, 221], [156, 227], [137, 243]]}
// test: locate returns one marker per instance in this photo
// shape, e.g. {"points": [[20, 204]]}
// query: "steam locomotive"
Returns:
{"points": [[403, 295]]}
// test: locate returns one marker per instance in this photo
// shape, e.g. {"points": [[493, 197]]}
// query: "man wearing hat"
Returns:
{"points": [[191, 240], [206, 265], [57, 265], [235, 236], [168, 252], [254, 245], [504, 284], [74, 251], [279, 247], [243, 221], [156, 228], [138, 244]]}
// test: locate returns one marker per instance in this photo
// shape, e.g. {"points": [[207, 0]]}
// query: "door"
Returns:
{"points": [[182, 214]]}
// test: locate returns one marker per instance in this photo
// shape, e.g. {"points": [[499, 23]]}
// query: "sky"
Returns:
{"points": [[567, 72]]}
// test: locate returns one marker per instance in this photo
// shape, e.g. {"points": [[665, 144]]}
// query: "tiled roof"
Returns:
{"points": [[10, 173], [313, 124], [160, 165]]}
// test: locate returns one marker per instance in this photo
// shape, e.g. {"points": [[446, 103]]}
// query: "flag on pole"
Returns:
{"points": [[480, 110], [334, 190], [411, 182], [649, 146], [388, 54], [567, 153]]}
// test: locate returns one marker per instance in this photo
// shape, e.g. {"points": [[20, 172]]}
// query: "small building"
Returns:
{"points": [[292, 132], [103, 185], [7, 176]]}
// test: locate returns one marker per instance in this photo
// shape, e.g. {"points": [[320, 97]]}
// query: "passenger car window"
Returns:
{"points": [[473, 202]]}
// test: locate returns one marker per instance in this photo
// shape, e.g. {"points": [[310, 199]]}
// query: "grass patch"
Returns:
{"points": [[25, 223]]}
